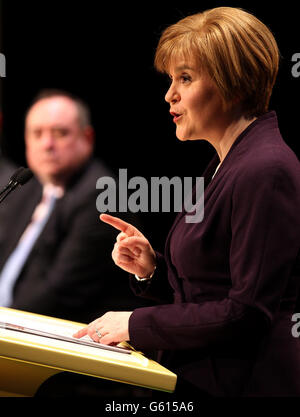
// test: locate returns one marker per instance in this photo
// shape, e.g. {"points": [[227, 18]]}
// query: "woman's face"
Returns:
{"points": [[195, 103]]}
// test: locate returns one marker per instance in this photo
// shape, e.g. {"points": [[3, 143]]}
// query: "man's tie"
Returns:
{"points": [[18, 257]]}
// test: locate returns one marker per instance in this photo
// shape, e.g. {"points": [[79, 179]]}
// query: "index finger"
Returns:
{"points": [[119, 224], [80, 333]]}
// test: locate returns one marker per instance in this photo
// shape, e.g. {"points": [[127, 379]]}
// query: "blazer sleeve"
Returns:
{"points": [[264, 245], [157, 288]]}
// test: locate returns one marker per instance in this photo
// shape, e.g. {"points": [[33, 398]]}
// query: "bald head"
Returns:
{"points": [[57, 144]]}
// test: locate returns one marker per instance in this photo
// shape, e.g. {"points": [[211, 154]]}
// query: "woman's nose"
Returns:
{"points": [[172, 96]]}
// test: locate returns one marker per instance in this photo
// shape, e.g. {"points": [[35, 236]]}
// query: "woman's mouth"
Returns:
{"points": [[176, 116]]}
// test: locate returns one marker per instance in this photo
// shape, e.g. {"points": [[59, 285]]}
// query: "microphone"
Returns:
{"points": [[20, 177]]}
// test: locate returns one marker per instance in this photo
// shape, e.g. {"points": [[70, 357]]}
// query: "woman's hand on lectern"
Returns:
{"points": [[132, 251], [111, 328]]}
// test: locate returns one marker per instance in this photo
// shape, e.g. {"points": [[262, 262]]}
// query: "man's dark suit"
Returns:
{"points": [[69, 273], [228, 285]]}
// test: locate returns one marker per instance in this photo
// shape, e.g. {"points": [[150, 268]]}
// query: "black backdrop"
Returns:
{"points": [[103, 51]]}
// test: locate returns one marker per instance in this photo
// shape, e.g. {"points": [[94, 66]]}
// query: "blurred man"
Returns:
{"points": [[55, 254]]}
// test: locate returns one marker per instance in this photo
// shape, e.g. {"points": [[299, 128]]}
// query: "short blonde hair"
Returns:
{"points": [[236, 49]]}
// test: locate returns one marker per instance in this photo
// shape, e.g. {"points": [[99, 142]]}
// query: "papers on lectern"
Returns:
{"points": [[41, 344], [53, 330]]}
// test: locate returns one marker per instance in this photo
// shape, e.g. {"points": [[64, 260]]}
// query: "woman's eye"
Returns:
{"points": [[185, 78]]}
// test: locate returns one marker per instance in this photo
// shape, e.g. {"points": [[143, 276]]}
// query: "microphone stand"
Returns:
{"points": [[7, 190]]}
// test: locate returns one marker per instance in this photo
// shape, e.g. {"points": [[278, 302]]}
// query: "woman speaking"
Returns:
{"points": [[226, 287]]}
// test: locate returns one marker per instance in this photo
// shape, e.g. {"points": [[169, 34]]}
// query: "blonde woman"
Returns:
{"points": [[227, 286]]}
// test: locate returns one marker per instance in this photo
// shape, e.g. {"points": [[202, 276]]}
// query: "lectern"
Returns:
{"points": [[35, 347]]}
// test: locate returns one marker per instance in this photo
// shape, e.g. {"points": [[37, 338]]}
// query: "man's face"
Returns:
{"points": [[56, 144]]}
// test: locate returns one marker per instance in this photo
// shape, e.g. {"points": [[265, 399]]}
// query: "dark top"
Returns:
{"points": [[233, 278], [69, 272]]}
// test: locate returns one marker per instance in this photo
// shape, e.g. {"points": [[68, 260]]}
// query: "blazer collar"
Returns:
{"points": [[268, 120]]}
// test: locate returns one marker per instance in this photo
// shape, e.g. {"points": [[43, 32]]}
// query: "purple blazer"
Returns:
{"points": [[227, 286]]}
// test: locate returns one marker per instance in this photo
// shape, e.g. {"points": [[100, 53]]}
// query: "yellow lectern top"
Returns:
{"points": [[22, 351]]}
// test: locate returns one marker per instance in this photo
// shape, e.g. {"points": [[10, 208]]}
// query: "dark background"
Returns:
{"points": [[103, 52]]}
